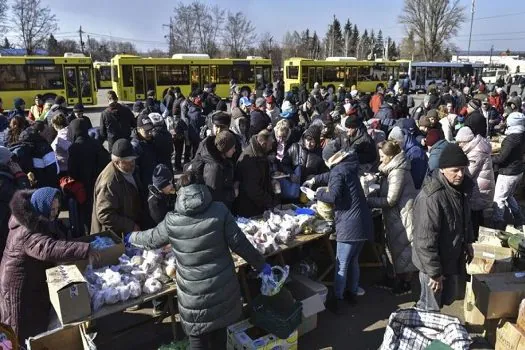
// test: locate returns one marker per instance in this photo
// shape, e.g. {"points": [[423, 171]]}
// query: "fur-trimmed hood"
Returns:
{"points": [[22, 213]]}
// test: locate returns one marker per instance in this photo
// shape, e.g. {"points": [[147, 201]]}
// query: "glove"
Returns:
{"points": [[309, 183], [267, 270]]}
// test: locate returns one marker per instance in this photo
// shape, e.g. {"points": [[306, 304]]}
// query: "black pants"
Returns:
{"points": [[215, 340], [176, 159], [477, 221]]}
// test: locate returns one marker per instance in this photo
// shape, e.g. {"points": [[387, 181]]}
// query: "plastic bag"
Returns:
{"points": [[97, 301], [272, 284], [111, 296], [134, 289], [151, 286], [101, 243], [124, 292]]}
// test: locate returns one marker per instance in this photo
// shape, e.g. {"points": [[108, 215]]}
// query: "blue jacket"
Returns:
{"points": [[196, 122], [435, 153], [353, 218], [418, 159]]}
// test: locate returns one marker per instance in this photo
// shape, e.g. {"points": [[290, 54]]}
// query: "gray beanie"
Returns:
{"points": [[397, 134]]}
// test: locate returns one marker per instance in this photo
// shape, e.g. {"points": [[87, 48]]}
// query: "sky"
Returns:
{"points": [[141, 21]]}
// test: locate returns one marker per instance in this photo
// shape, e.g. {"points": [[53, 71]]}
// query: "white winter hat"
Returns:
{"points": [[465, 134]]}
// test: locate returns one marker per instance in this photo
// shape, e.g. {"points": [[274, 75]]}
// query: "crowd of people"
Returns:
{"points": [[433, 162]]}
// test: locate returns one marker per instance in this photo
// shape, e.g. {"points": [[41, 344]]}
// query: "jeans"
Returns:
{"points": [[215, 340], [506, 186], [430, 301], [347, 263]]}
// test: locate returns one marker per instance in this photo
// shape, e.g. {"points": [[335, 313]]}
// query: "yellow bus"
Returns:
{"points": [[26, 76], [133, 76], [102, 74], [334, 71]]}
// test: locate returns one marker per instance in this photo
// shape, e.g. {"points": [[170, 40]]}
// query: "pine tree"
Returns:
{"points": [[370, 50], [7, 44], [363, 45], [379, 45], [305, 42], [334, 39], [347, 37], [53, 49], [392, 50], [354, 41], [315, 47]]}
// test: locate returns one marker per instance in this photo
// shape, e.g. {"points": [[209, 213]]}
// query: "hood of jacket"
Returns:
{"points": [[209, 152], [193, 199], [480, 144], [256, 147], [398, 162], [409, 142], [24, 214], [236, 129]]}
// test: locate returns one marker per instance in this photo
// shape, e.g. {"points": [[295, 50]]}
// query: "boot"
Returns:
{"points": [[335, 306]]}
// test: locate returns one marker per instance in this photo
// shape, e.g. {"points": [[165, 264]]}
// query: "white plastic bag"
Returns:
{"points": [[111, 296], [151, 286], [272, 284], [124, 292], [135, 289]]}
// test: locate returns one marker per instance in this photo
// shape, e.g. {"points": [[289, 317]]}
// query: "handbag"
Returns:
{"points": [[290, 189]]}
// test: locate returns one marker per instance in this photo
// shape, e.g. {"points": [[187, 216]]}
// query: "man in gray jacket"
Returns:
{"points": [[442, 230]]}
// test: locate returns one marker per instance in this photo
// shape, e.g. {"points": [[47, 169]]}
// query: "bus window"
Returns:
{"points": [[304, 75], [267, 74], [311, 77], [213, 74], [364, 73], [334, 74], [45, 77], [150, 78], [413, 73], [434, 73], [172, 75], [243, 74], [139, 81], [225, 74], [13, 77], [379, 73], [85, 81], [71, 82], [127, 76], [292, 72], [114, 73]]}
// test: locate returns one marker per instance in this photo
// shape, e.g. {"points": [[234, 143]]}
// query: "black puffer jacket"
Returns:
{"points": [[159, 204], [442, 226], [147, 158], [311, 162], [217, 172], [510, 159], [258, 121], [116, 122], [201, 233], [477, 123]]}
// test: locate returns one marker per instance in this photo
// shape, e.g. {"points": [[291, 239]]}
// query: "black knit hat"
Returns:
{"points": [[313, 132], [122, 148], [352, 122], [475, 103], [79, 107], [225, 141], [452, 156], [221, 119], [162, 176]]}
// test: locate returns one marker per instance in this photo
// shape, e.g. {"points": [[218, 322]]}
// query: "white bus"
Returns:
{"points": [[424, 73]]}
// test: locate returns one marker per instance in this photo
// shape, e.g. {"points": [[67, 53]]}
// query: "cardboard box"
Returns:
{"points": [[489, 236], [108, 256], [473, 317], [510, 337], [498, 295], [310, 294], [490, 259], [68, 292], [245, 336], [521, 317], [69, 337]]}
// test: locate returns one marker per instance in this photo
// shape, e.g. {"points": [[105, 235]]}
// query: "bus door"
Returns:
{"points": [[150, 80], [421, 77], [72, 91], [351, 76], [78, 84], [86, 84], [205, 75], [319, 75], [311, 77], [138, 82], [195, 77]]}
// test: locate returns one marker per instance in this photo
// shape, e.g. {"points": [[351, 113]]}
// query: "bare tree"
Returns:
{"points": [[34, 22], [239, 33], [3, 18], [433, 22], [184, 28], [208, 21]]}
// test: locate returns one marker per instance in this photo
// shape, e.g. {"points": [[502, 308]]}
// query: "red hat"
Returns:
{"points": [[433, 136]]}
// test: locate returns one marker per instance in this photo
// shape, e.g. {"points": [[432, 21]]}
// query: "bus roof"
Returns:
{"points": [[339, 61], [149, 60], [44, 60], [445, 64]]}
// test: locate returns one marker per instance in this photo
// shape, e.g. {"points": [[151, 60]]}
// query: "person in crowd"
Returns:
{"points": [[396, 198], [16, 126], [259, 120], [510, 165], [168, 101], [413, 152], [448, 122], [386, 114], [151, 104], [495, 99], [492, 116], [282, 132], [353, 219], [118, 204], [162, 193], [215, 165], [478, 151], [475, 119], [358, 139], [212, 100], [4, 130], [222, 121], [61, 143], [59, 107], [236, 96], [202, 233], [138, 108], [405, 103], [116, 121], [33, 244], [307, 111], [426, 105], [196, 120], [179, 98], [239, 126], [36, 157], [253, 174], [443, 231], [12, 178], [435, 144], [306, 154], [35, 112], [377, 100], [47, 107], [162, 140], [19, 109], [78, 113], [272, 110], [87, 158], [144, 148]]}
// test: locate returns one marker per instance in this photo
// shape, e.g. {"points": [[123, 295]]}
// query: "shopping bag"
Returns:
{"points": [[289, 189]]}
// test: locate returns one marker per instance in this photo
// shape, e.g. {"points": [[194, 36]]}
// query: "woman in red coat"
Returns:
{"points": [[32, 247]]}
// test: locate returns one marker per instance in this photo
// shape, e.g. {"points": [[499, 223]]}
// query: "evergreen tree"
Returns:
{"points": [[379, 45], [354, 41], [53, 49], [315, 47], [370, 50], [7, 44], [362, 46], [347, 34], [305, 42], [334, 39], [392, 50]]}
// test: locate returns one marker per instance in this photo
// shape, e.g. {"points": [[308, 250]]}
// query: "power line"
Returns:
{"points": [[127, 39], [488, 34], [503, 15]]}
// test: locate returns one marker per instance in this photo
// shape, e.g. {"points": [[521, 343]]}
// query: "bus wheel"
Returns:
{"points": [[330, 88], [246, 88], [48, 97]]}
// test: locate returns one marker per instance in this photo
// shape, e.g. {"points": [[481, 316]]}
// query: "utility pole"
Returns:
{"points": [[270, 48], [491, 52], [170, 38], [80, 32], [471, 23], [89, 47]]}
